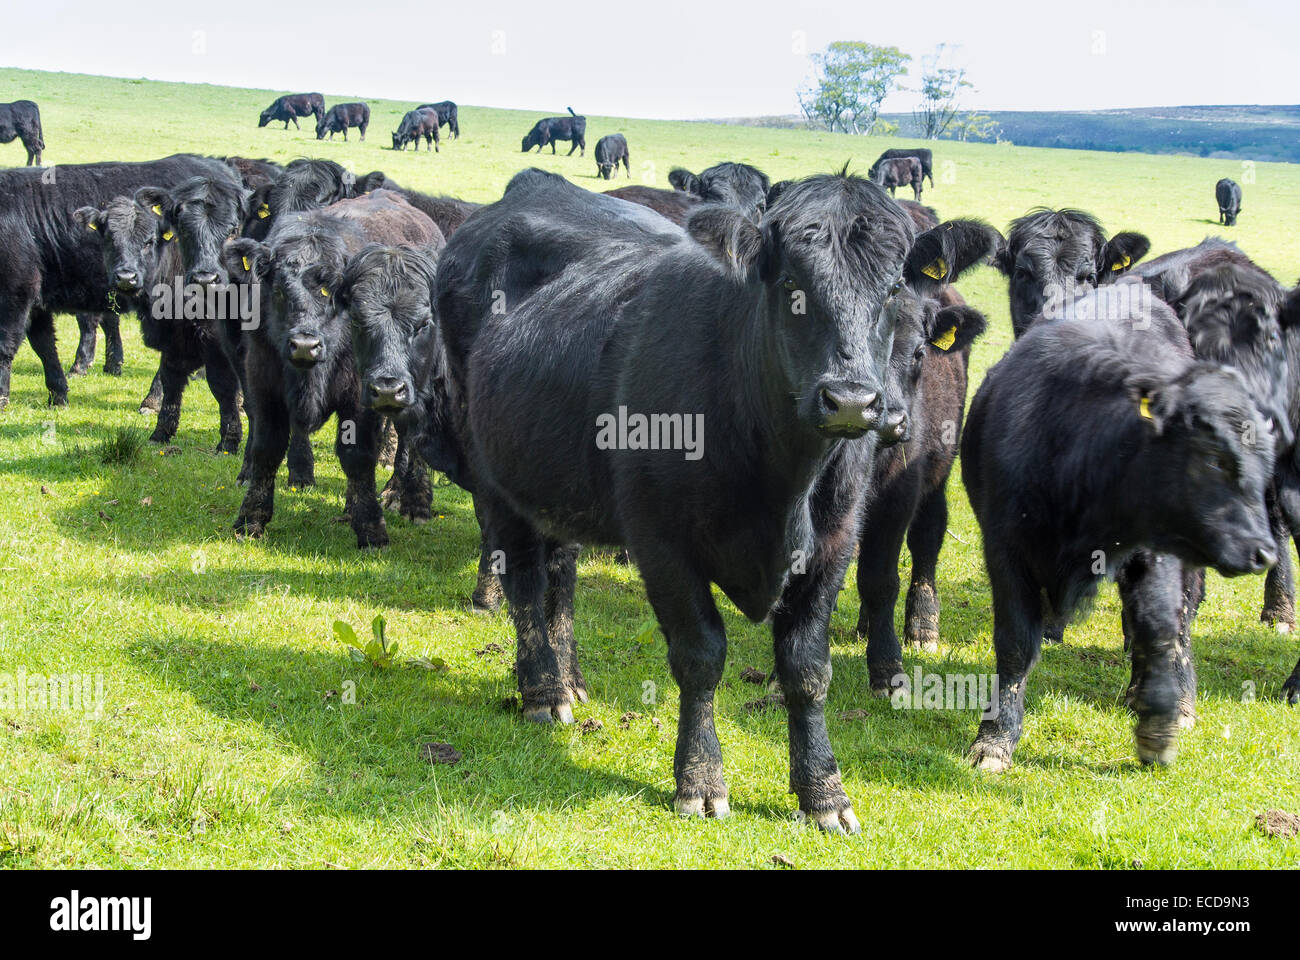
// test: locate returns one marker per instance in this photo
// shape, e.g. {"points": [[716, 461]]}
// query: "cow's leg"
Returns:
{"points": [[1152, 588], [924, 541], [916, 191], [1017, 634], [224, 385], [14, 311], [268, 439], [883, 527], [111, 324], [152, 401], [87, 328], [40, 334], [363, 131], [1279, 583], [296, 124], [487, 588], [175, 374], [1288, 499], [302, 462], [358, 459], [561, 579]]}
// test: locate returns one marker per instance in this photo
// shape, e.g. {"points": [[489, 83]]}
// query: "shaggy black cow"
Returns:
{"points": [[22, 120], [340, 117], [1228, 195], [48, 264], [610, 149], [1097, 448], [550, 129], [771, 334], [736, 185], [291, 106], [447, 113], [299, 358], [907, 493], [923, 154], [143, 260], [1051, 256], [447, 212], [899, 172], [420, 122]]}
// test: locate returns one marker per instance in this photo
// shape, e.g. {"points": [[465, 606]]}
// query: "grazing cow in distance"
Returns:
{"points": [[300, 369], [1228, 195], [550, 129], [1100, 448], [48, 263], [448, 113], [899, 172], [22, 120], [1052, 255], [923, 154], [907, 492], [420, 122], [291, 106], [340, 117], [610, 150], [769, 336], [735, 185]]}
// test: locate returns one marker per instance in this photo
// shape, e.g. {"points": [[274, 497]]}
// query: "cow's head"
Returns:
{"points": [[930, 320], [605, 168], [1051, 256], [1239, 316], [818, 268], [1209, 466], [386, 297], [204, 213], [735, 185], [308, 184], [321, 128], [534, 138], [266, 117], [301, 271], [131, 237]]}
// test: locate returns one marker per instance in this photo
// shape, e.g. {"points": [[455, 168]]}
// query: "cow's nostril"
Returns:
{"points": [[829, 401], [1265, 558]]}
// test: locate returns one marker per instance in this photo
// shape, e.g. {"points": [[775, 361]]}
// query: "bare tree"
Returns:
{"points": [[941, 88]]}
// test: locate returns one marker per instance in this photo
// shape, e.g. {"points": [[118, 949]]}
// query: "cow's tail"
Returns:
{"points": [[571, 113]]}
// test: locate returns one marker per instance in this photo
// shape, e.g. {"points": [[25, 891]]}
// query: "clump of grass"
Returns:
{"points": [[122, 446]]}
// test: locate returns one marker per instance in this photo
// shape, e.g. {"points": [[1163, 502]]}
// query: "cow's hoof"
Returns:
{"points": [[299, 481], [4, 402], [546, 712], [160, 436], [58, 399], [1186, 715], [922, 639], [149, 406], [991, 756], [1156, 737], [373, 538], [390, 500], [78, 370], [886, 678], [249, 529], [228, 447], [713, 806], [1291, 690], [114, 371], [483, 609], [833, 821]]}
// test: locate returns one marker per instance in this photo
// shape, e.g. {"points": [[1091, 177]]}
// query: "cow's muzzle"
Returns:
{"points": [[847, 409], [306, 350], [389, 394]]}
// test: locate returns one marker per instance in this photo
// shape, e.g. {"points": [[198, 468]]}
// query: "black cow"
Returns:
{"points": [[768, 332], [922, 154], [736, 185], [299, 359], [447, 113], [447, 212], [420, 122], [1100, 448], [143, 260], [1053, 255], [1228, 195], [48, 264], [291, 106], [340, 117], [550, 129], [610, 149], [672, 204], [907, 492], [899, 172], [22, 120]]}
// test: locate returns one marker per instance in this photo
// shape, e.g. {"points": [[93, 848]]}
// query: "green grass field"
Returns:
{"points": [[225, 739]]}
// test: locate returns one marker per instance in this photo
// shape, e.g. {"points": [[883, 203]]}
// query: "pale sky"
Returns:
{"points": [[673, 58]]}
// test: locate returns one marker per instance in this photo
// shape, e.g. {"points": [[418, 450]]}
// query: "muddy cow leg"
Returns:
{"points": [[487, 588], [924, 542], [152, 401], [416, 484], [358, 455], [41, 336], [883, 528], [1288, 497], [1152, 588], [87, 329], [1017, 636], [113, 357], [561, 580], [224, 385], [1279, 582]]}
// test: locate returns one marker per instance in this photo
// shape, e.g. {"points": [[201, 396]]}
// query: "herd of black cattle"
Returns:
{"points": [[1142, 426]]}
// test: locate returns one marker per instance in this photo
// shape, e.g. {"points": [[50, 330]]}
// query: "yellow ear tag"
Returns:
{"points": [[157, 208], [263, 212], [167, 235], [1144, 408], [92, 226], [247, 268], [937, 270], [1123, 263], [324, 292], [946, 339]]}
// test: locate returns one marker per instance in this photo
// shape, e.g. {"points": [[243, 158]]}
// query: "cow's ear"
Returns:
{"points": [[259, 204], [154, 199], [246, 260], [775, 190], [89, 218], [944, 253], [1155, 403], [1122, 251], [732, 239], [685, 181], [1288, 314], [374, 180], [955, 328]]}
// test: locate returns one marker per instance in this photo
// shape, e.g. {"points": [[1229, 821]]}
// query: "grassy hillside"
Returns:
{"points": [[225, 738]]}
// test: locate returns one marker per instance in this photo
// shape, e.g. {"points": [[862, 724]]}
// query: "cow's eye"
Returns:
{"points": [[1220, 463], [895, 288], [789, 283]]}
